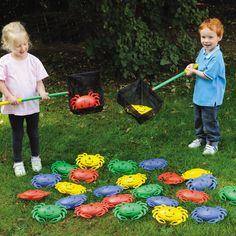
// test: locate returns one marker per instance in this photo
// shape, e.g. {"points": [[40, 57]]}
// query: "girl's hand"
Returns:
{"points": [[44, 95], [13, 100]]}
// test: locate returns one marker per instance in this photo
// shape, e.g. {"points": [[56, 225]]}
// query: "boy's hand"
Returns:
{"points": [[189, 69], [13, 100], [44, 96]]}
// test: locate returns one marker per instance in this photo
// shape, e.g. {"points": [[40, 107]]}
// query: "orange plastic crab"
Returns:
{"points": [[87, 175], [194, 196], [170, 178], [85, 101]]}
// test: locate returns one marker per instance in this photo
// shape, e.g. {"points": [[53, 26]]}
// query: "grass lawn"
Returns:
{"points": [[116, 135]]}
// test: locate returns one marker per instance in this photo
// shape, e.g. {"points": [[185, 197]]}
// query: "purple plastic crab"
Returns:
{"points": [[152, 164], [45, 180], [107, 191], [209, 214], [72, 201], [202, 182], [161, 200]]}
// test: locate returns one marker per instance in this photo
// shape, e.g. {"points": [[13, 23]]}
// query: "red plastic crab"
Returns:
{"points": [[85, 101], [87, 175], [33, 194], [91, 210], [170, 178], [194, 196], [114, 200]]}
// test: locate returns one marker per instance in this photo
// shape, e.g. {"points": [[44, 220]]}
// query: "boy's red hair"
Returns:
{"points": [[213, 24]]}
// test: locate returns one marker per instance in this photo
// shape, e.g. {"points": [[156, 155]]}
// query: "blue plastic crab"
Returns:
{"points": [[155, 163], [209, 214], [202, 182], [161, 200], [45, 180], [107, 191], [72, 201]]}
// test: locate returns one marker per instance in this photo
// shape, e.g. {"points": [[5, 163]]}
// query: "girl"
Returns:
{"points": [[21, 76]]}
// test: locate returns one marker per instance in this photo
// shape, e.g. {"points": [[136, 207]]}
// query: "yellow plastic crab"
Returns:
{"points": [[70, 188], [174, 215], [85, 161], [141, 109], [195, 173], [131, 181]]}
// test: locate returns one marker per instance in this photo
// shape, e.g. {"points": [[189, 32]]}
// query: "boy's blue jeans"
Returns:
{"points": [[207, 124]]}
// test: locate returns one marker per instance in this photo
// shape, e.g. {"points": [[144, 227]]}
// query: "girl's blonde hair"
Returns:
{"points": [[213, 24], [11, 32]]}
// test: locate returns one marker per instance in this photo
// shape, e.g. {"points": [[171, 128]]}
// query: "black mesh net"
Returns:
{"points": [[85, 93], [139, 100]]}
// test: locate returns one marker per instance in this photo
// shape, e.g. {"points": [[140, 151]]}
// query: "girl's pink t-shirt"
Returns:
{"points": [[21, 78]]}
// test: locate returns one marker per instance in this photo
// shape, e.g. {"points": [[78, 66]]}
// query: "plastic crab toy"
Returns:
{"points": [[147, 191], [123, 167], [85, 161], [87, 175], [170, 178], [85, 101], [209, 214], [114, 200], [45, 180], [91, 210], [228, 193], [173, 215], [72, 201], [195, 173], [161, 200], [152, 164], [50, 213], [106, 191], [131, 181], [194, 196], [202, 182], [133, 211], [70, 188], [63, 168], [33, 194]]}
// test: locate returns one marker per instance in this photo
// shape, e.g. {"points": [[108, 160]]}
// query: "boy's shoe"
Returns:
{"points": [[210, 150], [19, 169], [195, 143], [36, 164]]}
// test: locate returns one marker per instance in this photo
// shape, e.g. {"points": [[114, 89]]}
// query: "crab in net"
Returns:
{"points": [[63, 168], [130, 211], [45, 180], [108, 190], [170, 178], [154, 163], [168, 214], [49, 213], [123, 167], [87, 175], [70, 188], [86, 101], [195, 173], [194, 196], [147, 191], [161, 200], [131, 181], [228, 193], [114, 200], [91, 210], [86, 161], [33, 194], [208, 214], [202, 182], [70, 202]]}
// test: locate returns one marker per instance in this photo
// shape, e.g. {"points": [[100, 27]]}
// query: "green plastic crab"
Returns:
{"points": [[63, 168], [147, 191], [132, 211], [50, 213], [123, 167], [228, 193]]}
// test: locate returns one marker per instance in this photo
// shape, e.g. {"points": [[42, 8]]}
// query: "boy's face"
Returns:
{"points": [[20, 48], [209, 39]]}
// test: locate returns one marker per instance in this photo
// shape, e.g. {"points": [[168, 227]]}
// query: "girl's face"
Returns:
{"points": [[209, 39], [20, 49]]}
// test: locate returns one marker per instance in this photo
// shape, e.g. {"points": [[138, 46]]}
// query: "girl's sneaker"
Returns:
{"points": [[210, 150], [36, 164], [195, 143], [19, 169]]}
